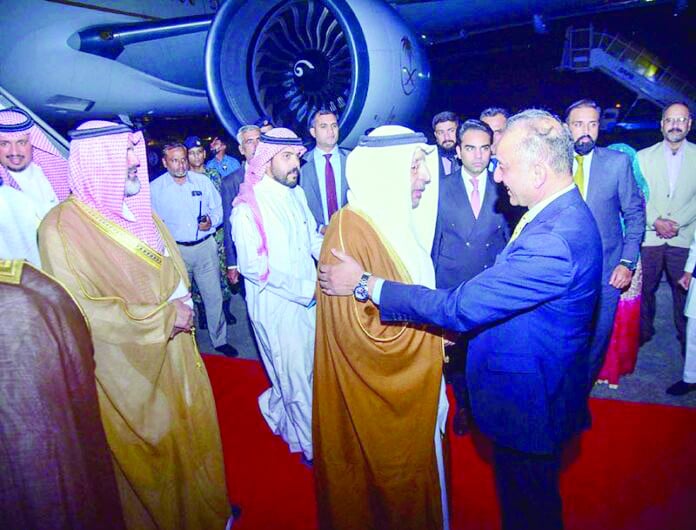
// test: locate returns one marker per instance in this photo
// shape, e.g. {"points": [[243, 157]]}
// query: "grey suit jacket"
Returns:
{"points": [[612, 195], [310, 185]]}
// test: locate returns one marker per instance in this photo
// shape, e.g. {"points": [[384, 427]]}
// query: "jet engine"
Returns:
{"points": [[281, 58], [288, 58]]}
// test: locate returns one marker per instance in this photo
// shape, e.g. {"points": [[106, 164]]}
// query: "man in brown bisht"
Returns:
{"points": [[379, 404], [56, 469], [123, 267]]}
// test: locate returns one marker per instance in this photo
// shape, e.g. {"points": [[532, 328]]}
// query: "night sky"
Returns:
{"points": [[516, 68]]}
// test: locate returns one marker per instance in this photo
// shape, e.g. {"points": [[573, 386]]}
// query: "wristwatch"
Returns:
{"points": [[360, 292], [630, 265]]}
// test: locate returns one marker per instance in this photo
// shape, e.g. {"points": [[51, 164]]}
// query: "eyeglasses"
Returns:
{"points": [[678, 120]]}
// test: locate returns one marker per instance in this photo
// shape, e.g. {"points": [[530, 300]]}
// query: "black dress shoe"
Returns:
{"points": [[227, 350], [681, 388], [460, 422]]}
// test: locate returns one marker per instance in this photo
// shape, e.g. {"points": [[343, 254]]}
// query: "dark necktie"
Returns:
{"points": [[331, 200]]}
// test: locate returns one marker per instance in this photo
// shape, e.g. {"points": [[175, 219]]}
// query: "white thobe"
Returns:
{"points": [[281, 308], [19, 222], [35, 185]]}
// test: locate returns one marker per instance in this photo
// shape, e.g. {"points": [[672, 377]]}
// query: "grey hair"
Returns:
{"points": [[547, 139], [246, 128], [171, 146]]}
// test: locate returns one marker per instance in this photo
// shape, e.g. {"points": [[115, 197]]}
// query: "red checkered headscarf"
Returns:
{"points": [[98, 171], [271, 143], [14, 124]]}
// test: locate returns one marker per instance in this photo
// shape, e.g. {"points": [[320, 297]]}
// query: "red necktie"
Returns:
{"points": [[331, 200]]}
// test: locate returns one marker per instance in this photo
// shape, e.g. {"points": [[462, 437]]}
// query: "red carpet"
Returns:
{"points": [[635, 470]]}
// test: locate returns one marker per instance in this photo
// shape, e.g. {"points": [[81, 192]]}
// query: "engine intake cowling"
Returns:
{"points": [[288, 58]]}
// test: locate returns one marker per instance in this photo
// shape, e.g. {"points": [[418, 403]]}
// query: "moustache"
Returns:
{"points": [[295, 172], [675, 129]]}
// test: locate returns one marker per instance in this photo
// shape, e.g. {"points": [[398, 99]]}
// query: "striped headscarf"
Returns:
{"points": [[14, 124], [98, 170], [271, 143]]}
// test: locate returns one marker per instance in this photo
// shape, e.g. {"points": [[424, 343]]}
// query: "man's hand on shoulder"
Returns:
{"points": [[339, 279], [184, 315]]}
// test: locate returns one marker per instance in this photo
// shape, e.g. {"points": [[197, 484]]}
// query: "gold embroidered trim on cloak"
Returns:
{"points": [[121, 236], [11, 271], [85, 293], [392, 255]]}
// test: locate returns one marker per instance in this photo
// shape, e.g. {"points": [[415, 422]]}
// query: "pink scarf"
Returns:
{"points": [[272, 143], [14, 124], [98, 170]]}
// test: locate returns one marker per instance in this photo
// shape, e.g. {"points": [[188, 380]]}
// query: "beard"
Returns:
{"points": [[584, 145], [132, 186], [447, 152], [286, 179]]}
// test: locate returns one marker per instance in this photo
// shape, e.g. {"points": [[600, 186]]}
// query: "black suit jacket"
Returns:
{"points": [[464, 245], [229, 188], [456, 164]]}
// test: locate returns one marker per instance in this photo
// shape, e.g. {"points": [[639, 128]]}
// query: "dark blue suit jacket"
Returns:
{"points": [[229, 188], [464, 246], [530, 316], [612, 194]]}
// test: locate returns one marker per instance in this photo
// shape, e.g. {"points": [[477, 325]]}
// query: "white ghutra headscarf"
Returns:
{"points": [[378, 174]]}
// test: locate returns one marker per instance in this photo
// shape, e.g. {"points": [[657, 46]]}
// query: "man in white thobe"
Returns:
{"points": [[19, 222], [30, 163], [276, 236]]}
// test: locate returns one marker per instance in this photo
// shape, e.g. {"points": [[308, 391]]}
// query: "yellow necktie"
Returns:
{"points": [[579, 176], [520, 225]]}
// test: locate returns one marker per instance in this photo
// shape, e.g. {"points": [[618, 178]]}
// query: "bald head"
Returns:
{"points": [[535, 157]]}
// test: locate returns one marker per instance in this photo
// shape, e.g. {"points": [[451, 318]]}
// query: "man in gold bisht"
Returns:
{"points": [[379, 403], [123, 267]]}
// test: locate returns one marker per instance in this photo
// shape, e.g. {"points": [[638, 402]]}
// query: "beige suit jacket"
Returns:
{"points": [[681, 206]]}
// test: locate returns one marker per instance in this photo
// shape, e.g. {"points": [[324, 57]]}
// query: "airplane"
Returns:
{"points": [[242, 59]]}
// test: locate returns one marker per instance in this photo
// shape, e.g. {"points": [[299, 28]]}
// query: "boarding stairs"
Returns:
{"points": [[631, 65]]}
